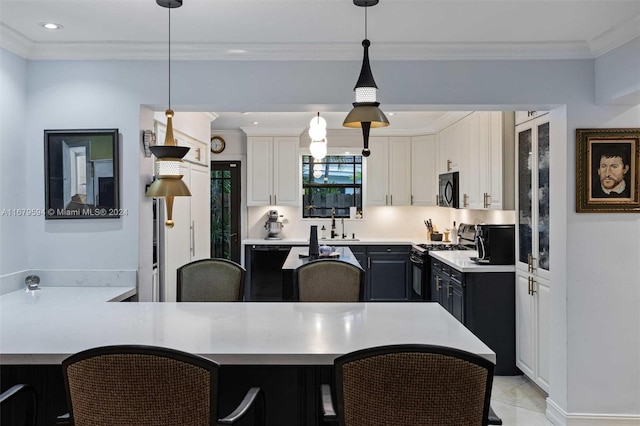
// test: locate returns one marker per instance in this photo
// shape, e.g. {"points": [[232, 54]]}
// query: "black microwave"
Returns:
{"points": [[448, 190]]}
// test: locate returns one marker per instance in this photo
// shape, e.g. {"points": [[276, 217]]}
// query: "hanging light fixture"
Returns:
{"points": [[365, 113], [318, 135], [168, 182]]}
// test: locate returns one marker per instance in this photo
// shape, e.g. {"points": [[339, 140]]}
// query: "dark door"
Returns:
{"points": [[225, 210]]}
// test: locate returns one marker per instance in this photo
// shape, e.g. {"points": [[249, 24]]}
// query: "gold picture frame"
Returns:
{"points": [[608, 170]]}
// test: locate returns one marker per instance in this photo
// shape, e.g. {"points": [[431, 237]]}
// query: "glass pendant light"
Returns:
{"points": [[168, 182], [365, 113], [318, 135]]}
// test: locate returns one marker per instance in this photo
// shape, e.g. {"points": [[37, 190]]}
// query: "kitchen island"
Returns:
{"points": [[286, 348]]}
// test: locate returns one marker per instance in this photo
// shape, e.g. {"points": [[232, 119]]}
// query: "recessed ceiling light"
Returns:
{"points": [[255, 122], [392, 113], [236, 51], [245, 113], [51, 25]]}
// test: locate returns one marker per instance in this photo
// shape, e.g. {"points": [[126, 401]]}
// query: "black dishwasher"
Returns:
{"points": [[264, 272]]}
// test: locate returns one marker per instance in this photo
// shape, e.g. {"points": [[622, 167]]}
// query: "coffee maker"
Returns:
{"points": [[273, 225], [495, 244]]}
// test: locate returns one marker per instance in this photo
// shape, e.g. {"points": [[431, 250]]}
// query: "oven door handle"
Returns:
{"points": [[416, 260]]}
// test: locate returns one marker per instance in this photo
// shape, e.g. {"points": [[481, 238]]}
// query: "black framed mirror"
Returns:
{"points": [[81, 174]]}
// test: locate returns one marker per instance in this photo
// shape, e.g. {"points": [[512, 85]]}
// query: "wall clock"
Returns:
{"points": [[217, 144]]}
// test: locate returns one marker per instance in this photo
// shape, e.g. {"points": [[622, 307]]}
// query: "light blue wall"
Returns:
{"points": [[617, 74], [595, 308], [13, 164]]}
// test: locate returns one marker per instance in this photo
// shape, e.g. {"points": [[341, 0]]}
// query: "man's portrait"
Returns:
{"points": [[612, 170], [607, 175]]}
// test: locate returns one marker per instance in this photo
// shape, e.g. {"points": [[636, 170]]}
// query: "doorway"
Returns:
{"points": [[225, 210]]}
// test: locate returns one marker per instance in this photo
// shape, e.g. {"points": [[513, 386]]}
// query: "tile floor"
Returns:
{"points": [[518, 402]]}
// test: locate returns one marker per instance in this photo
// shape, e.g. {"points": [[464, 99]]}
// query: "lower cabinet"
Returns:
{"points": [[485, 303], [387, 271], [532, 322]]}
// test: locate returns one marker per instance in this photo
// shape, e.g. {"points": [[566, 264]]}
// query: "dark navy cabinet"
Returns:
{"points": [[485, 303]]}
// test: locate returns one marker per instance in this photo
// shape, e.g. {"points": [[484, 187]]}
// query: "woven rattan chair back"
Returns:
{"points": [[211, 280], [410, 385], [140, 385], [329, 280]]}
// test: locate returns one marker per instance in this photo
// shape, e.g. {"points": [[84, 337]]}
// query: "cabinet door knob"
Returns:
{"points": [[449, 165]]}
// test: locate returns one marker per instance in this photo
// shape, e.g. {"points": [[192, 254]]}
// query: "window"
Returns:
{"points": [[333, 182]]}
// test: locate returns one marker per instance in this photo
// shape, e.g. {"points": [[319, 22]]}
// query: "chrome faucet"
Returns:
{"points": [[342, 223]]}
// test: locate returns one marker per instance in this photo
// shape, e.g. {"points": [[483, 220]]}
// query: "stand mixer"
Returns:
{"points": [[273, 225]]}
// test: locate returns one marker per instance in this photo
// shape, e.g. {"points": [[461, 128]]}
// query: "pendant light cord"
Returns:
{"points": [[365, 22], [169, 56]]}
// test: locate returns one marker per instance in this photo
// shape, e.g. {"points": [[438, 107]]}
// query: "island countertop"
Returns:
{"points": [[461, 261], [46, 326]]}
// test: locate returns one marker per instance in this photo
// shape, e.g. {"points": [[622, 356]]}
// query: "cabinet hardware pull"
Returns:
{"points": [[449, 288], [269, 199], [449, 165], [529, 286], [197, 154], [391, 199], [412, 200], [465, 200], [438, 283], [275, 200], [529, 262], [533, 290], [368, 262], [437, 200], [386, 200]]}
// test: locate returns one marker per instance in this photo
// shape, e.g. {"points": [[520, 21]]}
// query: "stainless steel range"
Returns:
{"points": [[421, 264]]}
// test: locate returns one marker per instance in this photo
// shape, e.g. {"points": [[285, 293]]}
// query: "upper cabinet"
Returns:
{"points": [[424, 178], [273, 166], [481, 147], [388, 177]]}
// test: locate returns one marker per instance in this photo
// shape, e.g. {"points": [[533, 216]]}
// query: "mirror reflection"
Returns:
{"points": [[81, 175]]}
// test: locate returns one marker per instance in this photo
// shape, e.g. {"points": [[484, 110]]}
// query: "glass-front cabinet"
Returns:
{"points": [[533, 196], [533, 288]]}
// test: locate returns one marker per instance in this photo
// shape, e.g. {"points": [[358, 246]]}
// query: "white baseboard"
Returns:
{"points": [[558, 417]]}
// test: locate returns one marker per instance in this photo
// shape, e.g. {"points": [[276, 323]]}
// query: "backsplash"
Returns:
{"points": [[378, 222]]}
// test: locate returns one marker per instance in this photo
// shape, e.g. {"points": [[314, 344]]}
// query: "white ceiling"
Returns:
{"points": [[318, 30]]}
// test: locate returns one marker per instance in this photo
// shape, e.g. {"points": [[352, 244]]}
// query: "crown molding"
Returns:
{"points": [[298, 52], [615, 37], [15, 42], [266, 131]]}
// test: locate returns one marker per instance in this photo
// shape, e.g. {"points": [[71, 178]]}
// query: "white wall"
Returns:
{"points": [[13, 164], [599, 343]]}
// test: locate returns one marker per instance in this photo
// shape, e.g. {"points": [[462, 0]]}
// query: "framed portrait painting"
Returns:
{"points": [[608, 170]]}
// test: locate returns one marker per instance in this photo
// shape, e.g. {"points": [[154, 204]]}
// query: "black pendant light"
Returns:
{"points": [[365, 113], [168, 182]]}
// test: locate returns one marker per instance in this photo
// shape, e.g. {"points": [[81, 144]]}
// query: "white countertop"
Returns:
{"points": [[46, 326], [460, 260], [331, 242]]}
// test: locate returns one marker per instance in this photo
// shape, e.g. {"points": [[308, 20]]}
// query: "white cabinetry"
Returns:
{"points": [[532, 249], [450, 144], [480, 146], [189, 239], [273, 171], [388, 174], [424, 179]]}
